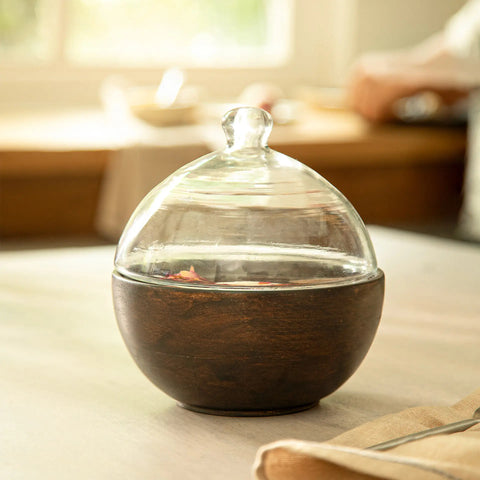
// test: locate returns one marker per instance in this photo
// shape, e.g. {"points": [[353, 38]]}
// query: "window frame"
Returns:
{"points": [[314, 29]]}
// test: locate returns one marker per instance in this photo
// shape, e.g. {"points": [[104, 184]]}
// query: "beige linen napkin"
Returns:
{"points": [[131, 173], [454, 456]]}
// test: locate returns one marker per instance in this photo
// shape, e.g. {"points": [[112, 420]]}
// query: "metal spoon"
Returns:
{"points": [[460, 426]]}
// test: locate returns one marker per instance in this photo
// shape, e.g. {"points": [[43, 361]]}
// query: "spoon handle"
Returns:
{"points": [[443, 429]]}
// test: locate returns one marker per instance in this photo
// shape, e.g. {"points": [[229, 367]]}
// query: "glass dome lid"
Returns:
{"points": [[246, 217]]}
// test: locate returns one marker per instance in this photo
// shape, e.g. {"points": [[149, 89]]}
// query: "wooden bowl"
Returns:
{"points": [[158, 116], [248, 352]]}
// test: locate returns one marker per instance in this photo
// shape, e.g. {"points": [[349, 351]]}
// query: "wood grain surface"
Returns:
{"points": [[248, 352], [52, 168], [74, 405]]}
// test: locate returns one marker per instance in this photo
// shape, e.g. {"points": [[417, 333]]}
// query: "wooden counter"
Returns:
{"points": [[51, 168], [74, 405]]}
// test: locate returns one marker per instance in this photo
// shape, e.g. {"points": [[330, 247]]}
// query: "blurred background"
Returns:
{"points": [[84, 133], [60, 50]]}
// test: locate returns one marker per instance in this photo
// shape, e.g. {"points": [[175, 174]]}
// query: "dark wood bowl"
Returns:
{"points": [[248, 352]]}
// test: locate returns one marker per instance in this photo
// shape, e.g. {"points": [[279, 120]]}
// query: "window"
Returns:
{"points": [[24, 31], [60, 51], [145, 33]]}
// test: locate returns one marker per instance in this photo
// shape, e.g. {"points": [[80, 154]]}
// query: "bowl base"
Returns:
{"points": [[248, 413], [248, 353]]}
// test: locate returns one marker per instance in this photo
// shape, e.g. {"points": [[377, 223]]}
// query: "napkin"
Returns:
{"points": [[131, 173], [454, 456]]}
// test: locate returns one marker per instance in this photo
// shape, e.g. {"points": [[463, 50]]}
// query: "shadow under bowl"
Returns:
{"points": [[248, 353]]}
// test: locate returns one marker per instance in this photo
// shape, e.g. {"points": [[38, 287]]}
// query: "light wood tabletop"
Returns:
{"points": [[73, 404]]}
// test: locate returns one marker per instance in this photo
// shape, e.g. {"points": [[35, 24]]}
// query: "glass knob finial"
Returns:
{"points": [[247, 127]]}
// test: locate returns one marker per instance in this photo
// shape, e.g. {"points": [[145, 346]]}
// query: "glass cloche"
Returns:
{"points": [[246, 284], [246, 217]]}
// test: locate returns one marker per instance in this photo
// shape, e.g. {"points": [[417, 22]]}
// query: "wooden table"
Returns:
{"points": [[73, 404], [52, 165]]}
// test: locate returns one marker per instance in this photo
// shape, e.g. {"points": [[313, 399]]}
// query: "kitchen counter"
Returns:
{"points": [[74, 405], [53, 164]]}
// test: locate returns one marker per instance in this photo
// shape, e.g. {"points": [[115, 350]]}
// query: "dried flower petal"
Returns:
{"points": [[188, 276]]}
